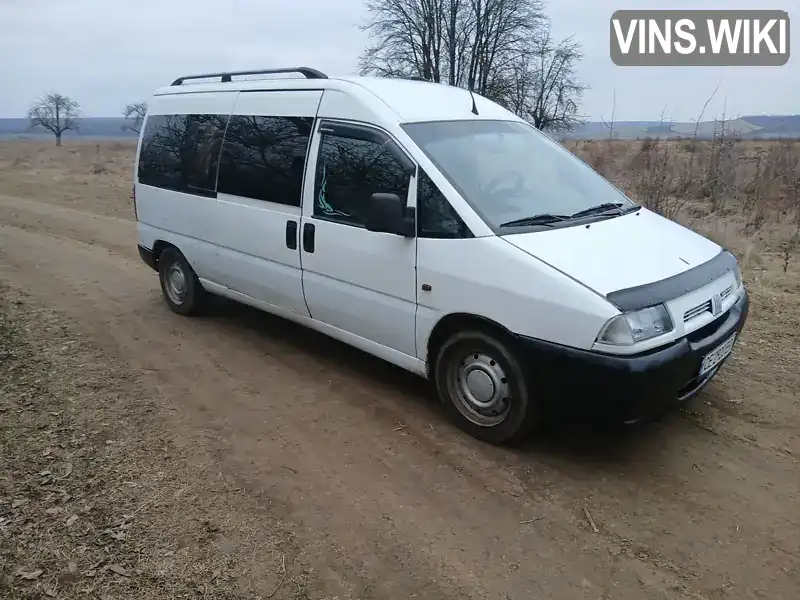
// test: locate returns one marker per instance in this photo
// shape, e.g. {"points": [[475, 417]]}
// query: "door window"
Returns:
{"points": [[353, 165]]}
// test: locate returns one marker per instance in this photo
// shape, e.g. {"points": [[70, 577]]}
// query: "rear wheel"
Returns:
{"points": [[481, 383], [182, 290]]}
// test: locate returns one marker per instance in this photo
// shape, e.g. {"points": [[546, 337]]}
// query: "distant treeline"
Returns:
{"points": [[748, 128], [106, 127]]}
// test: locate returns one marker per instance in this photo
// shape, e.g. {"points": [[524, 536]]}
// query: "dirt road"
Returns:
{"points": [[381, 498]]}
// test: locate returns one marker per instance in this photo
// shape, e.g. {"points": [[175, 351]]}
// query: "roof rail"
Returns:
{"points": [[307, 72]]}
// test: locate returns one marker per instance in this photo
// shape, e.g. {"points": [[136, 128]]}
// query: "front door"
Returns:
{"points": [[359, 281]]}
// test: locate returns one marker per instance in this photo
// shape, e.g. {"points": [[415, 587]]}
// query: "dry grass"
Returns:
{"points": [[95, 176], [96, 498]]}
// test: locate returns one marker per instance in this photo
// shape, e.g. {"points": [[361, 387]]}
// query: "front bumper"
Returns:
{"points": [[626, 389]]}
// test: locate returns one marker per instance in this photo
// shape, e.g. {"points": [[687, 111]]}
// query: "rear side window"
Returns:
{"points": [[352, 166], [181, 152], [263, 158]]}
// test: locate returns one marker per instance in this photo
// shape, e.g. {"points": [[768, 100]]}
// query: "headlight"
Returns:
{"points": [[629, 328]]}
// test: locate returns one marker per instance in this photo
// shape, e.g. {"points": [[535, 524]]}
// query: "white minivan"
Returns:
{"points": [[432, 228]]}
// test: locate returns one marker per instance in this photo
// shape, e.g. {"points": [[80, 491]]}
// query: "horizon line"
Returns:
{"points": [[599, 120]]}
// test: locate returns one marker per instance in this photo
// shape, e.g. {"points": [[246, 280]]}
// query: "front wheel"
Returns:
{"points": [[483, 387], [182, 290]]}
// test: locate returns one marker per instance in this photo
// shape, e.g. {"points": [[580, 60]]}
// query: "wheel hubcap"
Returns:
{"points": [[480, 386], [176, 283]]}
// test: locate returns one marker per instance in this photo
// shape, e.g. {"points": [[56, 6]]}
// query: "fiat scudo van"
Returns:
{"points": [[432, 228]]}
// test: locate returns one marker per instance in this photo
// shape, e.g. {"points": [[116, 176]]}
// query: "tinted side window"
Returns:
{"points": [[350, 170], [436, 217], [181, 152], [263, 158]]}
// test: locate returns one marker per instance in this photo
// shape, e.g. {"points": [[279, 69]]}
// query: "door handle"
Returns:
{"points": [[291, 235], [308, 237]]}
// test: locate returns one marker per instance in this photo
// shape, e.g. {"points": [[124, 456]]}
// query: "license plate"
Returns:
{"points": [[717, 355]]}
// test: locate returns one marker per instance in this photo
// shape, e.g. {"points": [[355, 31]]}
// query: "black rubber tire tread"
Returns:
{"points": [[524, 415], [195, 293]]}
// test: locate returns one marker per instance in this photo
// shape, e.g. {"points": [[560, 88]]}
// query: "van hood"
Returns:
{"points": [[619, 253]]}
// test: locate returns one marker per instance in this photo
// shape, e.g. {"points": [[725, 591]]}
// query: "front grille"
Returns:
{"points": [[706, 306], [697, 311]]}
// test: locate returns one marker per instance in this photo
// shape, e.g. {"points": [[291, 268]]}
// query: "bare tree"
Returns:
{"points": [[134, 115], [503, 31], [55, 113], [501, 49], [546, 90], [610, 124], [409, 39], [466, 43]]}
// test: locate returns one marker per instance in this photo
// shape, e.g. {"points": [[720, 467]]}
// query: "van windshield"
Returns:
{"points": [[512, 175]]}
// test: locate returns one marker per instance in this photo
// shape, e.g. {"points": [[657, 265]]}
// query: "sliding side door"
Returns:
{"points": [[256, 229]]}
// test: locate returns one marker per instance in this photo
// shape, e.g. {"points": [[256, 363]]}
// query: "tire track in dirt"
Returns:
{"points": [[423, 509]]}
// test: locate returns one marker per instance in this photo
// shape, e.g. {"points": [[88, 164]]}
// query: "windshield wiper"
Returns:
{"points": [[599, 209], [606, 207], [546, 219], [549, 219]]}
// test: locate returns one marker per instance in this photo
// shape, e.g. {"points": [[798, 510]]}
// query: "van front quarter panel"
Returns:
{"points": [[488, 277]]}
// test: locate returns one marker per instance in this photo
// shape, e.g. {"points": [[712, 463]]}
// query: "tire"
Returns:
{"points": [[180, 286], [497, 377]]}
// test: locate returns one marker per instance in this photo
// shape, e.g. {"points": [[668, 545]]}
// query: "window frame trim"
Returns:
{"points": [[400, 153]]}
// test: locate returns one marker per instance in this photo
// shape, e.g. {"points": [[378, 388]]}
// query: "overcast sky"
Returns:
{"points": [[106, 53]]}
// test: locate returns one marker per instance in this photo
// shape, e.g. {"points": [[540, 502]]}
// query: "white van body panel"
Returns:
{"points": [[494, 279], [339, 104], [198, 252], [421, 101], [252, 256], [400, 359], [620, 253], [278, 103], [217, 102]]}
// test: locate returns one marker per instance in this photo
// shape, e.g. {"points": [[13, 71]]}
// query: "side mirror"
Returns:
{"points": [[387, 213]]}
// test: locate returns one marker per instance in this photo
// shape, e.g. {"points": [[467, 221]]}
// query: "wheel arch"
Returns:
{"points": [[158, 248], [454, 322]]}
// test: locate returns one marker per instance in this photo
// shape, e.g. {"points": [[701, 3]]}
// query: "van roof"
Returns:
{"points": [[411, 100]]}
